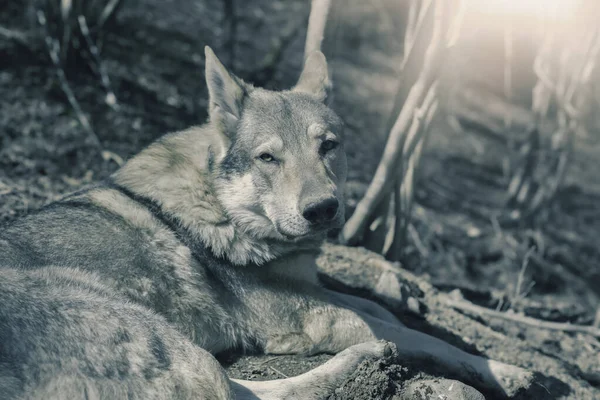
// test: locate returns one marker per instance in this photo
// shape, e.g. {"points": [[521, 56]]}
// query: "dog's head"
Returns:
{"points": [[281, 169]]}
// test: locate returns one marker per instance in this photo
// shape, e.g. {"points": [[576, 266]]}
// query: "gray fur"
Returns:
{"points": [[196, 245], [121, 290]]}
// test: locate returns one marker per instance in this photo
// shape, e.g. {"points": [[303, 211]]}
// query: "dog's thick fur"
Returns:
{"points": [[203, 242]]}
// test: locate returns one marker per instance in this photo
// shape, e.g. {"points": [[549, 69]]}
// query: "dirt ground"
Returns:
{"points": [[154, 56]]}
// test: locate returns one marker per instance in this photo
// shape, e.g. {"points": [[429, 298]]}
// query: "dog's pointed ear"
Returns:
{"points": [[314, 79], [226, 94]]}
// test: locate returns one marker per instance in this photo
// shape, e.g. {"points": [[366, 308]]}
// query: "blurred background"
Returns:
{"points": [[495, 191]]}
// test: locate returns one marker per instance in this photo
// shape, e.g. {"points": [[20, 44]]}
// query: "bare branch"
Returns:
{"points": [[317, 20], [411, 155], [385, 174], [413, 58], [15, 36], [107, 12], [470, 308], [53, 48], [110, 99]]}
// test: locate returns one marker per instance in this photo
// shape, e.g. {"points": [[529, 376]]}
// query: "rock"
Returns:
{"points": [[438, 389], [372, 380]]}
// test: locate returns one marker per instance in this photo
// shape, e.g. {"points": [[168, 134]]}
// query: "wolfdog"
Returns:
{"points": [[205, 241]]}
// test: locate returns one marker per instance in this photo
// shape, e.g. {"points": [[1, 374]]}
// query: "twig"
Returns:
{"points": [[412, 61], [522, 177], [417, 241], [16, 36], [110, 99], [107, 12], [531, 188], [53, 51], [518, 293], [386, 170], [268, 360], [470, 308], [66, 9], [402, 152], [278, 371], [421, 119], [376, 237], [413, 147]]}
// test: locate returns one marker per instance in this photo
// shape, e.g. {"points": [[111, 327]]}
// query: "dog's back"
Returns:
{"points": [[87, 294], [107, 236], [72, 232]]}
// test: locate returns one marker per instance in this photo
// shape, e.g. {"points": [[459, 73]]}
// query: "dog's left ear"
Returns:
{"points": [[314, 79], [226, 94]]}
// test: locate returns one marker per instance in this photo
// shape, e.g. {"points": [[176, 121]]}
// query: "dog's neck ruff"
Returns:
{"points": [[222, 239], [175, 184]]}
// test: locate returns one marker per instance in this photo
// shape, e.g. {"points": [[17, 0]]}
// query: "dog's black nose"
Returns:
{"points": [[322, 211]]}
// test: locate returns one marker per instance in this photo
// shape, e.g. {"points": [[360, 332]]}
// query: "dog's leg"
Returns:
{"points": [[317, 383], [332, 329]]}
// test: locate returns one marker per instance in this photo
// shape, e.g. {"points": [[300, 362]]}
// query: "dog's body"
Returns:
{"points": [[203, 242]]}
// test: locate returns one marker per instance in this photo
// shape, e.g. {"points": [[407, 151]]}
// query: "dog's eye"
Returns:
{"points": [[328, 145], [266, 157]]}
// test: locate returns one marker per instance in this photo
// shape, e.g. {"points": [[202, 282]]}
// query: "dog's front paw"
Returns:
{"points": [[321, 382], [290, 343]]}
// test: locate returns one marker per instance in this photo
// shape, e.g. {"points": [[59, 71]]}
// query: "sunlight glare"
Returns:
{"points": [[558, 9]]}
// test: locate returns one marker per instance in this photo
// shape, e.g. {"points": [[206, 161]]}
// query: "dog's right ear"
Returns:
{"points": [[226, 94], [314, 78]]}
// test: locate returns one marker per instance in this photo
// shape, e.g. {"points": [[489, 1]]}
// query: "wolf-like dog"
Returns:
{"points": [[203, 242]]}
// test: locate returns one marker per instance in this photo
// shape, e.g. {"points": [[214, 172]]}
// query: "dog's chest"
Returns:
{"points": [[298, 267]]}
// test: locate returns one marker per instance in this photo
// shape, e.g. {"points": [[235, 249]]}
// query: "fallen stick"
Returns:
{"points": [[470, 308], [278, 371], [16, 36]]}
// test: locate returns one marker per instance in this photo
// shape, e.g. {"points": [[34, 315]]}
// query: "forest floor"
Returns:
{"points": [[153, 53]]}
